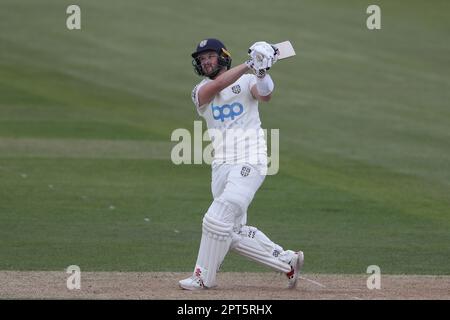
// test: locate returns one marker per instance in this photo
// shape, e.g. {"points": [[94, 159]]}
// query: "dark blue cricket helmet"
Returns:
{"points": [[211, 45]]}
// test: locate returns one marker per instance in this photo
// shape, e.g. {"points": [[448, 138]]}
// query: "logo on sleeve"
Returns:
{"points": [[227, 111], [236, 89]]}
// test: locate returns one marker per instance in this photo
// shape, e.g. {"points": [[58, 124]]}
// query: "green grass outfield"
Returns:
{"points": [[86, 118]]}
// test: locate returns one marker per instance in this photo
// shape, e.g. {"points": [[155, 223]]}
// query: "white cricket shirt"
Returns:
{"points": [[233, 123]]}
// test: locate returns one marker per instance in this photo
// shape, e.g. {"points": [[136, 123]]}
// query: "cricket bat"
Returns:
{"points": [[286, 50]]}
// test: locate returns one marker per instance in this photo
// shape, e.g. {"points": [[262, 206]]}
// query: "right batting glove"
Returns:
{"points": [[263, 55]]}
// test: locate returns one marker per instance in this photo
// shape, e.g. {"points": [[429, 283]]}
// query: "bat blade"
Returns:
{"points": [[286, 50]]}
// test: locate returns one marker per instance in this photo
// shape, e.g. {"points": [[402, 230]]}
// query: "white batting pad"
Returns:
{"points": [[255, 245], [214, 245]]}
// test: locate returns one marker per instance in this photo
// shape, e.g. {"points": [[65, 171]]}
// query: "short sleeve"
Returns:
{"points": [[194, 96]]}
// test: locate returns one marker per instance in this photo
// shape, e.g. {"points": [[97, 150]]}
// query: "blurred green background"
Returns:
{"points": [[86, 118]]}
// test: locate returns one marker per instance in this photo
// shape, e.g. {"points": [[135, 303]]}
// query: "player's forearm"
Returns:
{"points": [[230, 76], [209, 90]]}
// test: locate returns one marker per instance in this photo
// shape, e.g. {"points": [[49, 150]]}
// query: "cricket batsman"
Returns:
{"points": [[228, 101]]}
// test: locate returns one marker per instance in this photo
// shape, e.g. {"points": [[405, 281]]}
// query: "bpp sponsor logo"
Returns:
{"points": [[227, 111]]}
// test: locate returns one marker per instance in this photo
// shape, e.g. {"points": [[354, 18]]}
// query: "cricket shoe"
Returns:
{"points": [[194, 282], [296, 264]]}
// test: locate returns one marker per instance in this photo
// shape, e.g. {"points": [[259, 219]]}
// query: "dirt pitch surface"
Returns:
{"points": [[239, 286]]}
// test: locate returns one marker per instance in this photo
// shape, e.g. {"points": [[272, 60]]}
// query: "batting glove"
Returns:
{"points": [[263, 55]]}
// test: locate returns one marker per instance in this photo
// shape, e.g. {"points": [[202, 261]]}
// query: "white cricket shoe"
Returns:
{"points": [[192, 283], [195, 282], [296, 266]]}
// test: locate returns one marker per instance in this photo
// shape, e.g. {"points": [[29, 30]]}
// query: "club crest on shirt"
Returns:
{"points": [[236, 89], [245, 171]]}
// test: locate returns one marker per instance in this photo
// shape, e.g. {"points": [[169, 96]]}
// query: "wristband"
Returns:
{"points": [[264, 85]]}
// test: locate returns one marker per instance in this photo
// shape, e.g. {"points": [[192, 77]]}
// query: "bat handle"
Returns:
{"points": [[277, 51]]}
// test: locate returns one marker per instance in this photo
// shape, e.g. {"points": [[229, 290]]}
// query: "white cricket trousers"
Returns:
{"points": [[237, 183]]}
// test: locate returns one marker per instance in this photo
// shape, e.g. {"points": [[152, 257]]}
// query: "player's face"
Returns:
{"points": [[209, 61]]}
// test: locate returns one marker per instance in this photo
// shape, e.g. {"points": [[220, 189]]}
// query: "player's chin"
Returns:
{"points": [[209, 71]]}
